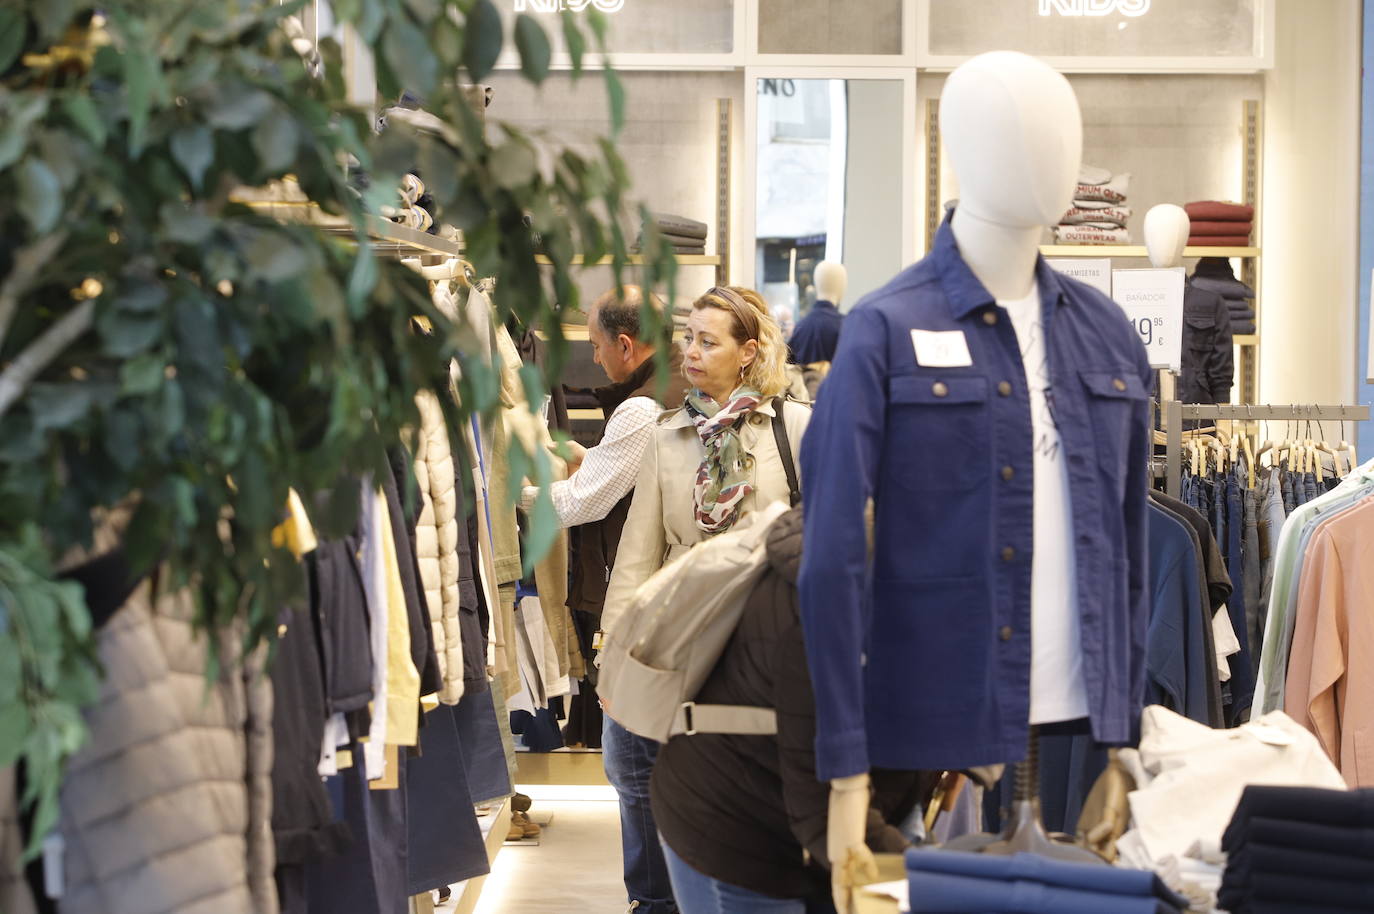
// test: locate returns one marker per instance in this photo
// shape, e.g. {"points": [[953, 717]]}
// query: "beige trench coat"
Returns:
{"points": [[662, 522]]}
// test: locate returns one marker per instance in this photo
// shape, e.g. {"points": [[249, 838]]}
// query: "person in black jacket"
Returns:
{"points": [[743, 818]]}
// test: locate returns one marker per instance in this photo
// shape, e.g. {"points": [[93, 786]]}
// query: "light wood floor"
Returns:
{"points": [[575, 868]]}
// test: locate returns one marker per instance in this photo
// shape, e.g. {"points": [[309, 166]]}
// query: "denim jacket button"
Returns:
{"points": [[1004, 388], [1119, 384], [1005, 633], [990, 318], [940, 389]]}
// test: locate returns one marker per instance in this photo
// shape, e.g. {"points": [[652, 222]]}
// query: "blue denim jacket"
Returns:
{"points": [[921, 655]]}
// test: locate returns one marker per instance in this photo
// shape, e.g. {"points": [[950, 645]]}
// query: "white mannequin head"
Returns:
{"points": [[1166, 234], [831, 281], [1014, 134]]}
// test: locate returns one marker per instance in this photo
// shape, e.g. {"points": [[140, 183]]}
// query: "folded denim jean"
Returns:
{"points": [[1312, 836], [944, 892], [1297, 861], [1353, 809]]}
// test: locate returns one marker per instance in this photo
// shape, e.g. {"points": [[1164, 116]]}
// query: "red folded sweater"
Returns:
{"points": [[1221, 228], [1215, 211], [1219, 241]]}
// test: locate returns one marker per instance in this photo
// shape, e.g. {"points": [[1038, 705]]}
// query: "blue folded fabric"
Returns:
{"points": [[1226, 287], [931, 892], [1035, 868]]}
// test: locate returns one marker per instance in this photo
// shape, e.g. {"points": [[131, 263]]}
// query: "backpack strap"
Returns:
{"points": [[785, 452], [736, 720]]}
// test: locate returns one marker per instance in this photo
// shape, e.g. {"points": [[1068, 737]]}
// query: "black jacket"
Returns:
{"points": [[1208, 364], [748, 810], [595, 544]]}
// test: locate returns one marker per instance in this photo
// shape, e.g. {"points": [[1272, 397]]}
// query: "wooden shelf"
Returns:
{"points": [[1137, 250], [683, 260], [1245, 339]]}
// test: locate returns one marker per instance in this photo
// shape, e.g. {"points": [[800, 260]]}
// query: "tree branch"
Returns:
{"points": [[27, 262], [15, 378]]}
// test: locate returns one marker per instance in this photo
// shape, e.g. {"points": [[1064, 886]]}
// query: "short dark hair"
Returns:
{"points": [[619, 314]]}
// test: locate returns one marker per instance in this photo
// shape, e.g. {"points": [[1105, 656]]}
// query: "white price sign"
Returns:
{"points": [[1153, 302], [1094, 272]]}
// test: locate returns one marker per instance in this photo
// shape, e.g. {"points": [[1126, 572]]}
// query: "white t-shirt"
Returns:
{"points": [[1057, 692]]}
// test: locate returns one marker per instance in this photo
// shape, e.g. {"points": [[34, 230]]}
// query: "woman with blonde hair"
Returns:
{"points": [[711, 462]]}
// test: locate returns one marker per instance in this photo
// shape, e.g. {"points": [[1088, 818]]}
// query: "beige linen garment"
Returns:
{"points": [[436, 541], [1331, 663], [662, 522]]}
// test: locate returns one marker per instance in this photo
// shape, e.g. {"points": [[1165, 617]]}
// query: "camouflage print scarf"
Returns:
{"points": [[723, 477]]}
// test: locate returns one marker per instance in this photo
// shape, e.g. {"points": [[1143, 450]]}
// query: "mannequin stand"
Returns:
{"points": [[1024, 831]]}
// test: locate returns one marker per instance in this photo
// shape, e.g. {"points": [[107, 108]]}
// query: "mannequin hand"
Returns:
{"points": [[851, 862]]}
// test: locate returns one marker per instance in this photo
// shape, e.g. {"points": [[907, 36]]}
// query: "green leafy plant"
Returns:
{"points": [[165, 346]]}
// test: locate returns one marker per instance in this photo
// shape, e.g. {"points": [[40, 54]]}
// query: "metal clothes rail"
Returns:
{"points": [[1175, 413]]}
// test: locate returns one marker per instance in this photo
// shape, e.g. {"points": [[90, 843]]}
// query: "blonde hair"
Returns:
{"points": [[751, 320]]}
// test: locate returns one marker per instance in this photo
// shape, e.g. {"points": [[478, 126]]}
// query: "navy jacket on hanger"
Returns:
{"points": [[921, 658]]}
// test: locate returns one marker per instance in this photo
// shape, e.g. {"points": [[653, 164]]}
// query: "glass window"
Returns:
{"points": [[1095, 28], [830, 26]]}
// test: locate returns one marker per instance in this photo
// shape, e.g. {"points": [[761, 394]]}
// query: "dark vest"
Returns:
{"points": [[597, 542]]}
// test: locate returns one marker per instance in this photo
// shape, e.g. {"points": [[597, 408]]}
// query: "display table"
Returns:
{"points": [[891, 867]]}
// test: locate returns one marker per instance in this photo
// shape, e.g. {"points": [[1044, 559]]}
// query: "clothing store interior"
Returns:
{"points": [[1020, 555]]}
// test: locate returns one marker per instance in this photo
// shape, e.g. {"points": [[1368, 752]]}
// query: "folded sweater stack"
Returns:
{"points": [[687, 236], [1215, 275], [949, 881], [1300, 849], [1224, 225], [1099, 210]]}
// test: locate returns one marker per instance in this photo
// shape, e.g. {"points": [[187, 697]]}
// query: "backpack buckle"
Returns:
{"points": [[689, 727]]}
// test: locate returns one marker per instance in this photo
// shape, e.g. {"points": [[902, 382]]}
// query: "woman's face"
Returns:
{"points": [[711, 359]]}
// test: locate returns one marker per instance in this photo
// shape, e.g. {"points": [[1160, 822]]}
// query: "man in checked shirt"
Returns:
{"points": [[595, 500]]}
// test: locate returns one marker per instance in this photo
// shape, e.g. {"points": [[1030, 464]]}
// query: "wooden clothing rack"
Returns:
{"points": [[1175, 413]]}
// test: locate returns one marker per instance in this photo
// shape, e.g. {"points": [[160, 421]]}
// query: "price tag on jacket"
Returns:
{"points": [[1153, 302], [941, 348]]}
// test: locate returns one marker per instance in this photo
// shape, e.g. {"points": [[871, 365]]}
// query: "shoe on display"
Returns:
{"points": [[520, 802]]}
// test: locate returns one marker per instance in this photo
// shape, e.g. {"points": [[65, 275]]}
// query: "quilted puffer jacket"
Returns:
{"points": [[167, 808], [436, 541]]}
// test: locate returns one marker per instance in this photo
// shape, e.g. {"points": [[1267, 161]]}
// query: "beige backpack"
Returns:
{"points": [[660, 651]]}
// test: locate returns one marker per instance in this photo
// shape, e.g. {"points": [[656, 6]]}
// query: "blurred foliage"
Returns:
{"points": [[164, 346]]}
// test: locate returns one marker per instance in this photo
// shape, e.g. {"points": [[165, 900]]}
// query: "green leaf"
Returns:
{"points": [[143, 374], [616, 93], [362, 279], [15, 727], [40, 195], [276, 256], [533, 44], [513, 165], [21, 112], [81, 109], [597, 20], [275, 140], [58, 405], [185, 224], [574, 39], [142, 68], [125, 334], [482, 41], [193, 148], [408, 52], [173, 408], [12, 28], [238, 106], [141, 296]]}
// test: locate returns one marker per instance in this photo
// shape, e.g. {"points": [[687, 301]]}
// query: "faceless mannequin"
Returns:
{"points": [[831, 281], [1014, 135], [1166, 234]]}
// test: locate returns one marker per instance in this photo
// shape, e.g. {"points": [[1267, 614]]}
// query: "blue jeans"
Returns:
{"points": [[700, 894], [629, 761]]}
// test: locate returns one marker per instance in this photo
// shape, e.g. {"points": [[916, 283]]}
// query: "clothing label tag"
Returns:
{"points": [[54, 875], [941, 348]]}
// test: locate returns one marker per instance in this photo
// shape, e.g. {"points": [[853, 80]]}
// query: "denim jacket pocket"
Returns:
{"points": [[942, 423], [1113, 398]]}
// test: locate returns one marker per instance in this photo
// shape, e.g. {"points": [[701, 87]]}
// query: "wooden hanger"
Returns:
{"points": [[1249, 461]]}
